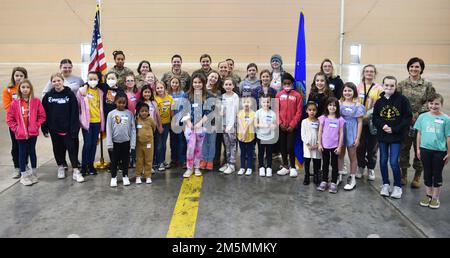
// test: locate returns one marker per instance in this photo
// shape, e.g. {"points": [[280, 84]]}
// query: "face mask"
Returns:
{"points": [[288, 89], [92, 83], [111, 83]]}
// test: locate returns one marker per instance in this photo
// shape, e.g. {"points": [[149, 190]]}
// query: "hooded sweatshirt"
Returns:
{"points": [[247, 86], [62, 112], [17, 122], [394, 112], [291, 104]]}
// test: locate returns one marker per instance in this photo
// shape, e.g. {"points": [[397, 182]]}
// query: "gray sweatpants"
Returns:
{"points": [[230, 147]]}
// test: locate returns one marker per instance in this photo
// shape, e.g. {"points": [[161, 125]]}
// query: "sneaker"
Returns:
{"points": [[293, 172], [113, 182], [61, 172], [188, 173], [65, 165], [126, 181], [148, 180], [198, 172], [209, 165], [425, 202], [161, 167], [385, 190], [92, 170], [283, 171], [434, 204], [223, 168], [262, 171], [371, 174], [138, 180], [77, 176], [248, 172], [25, 179], [34, 178], [322, 187], [230, 169], [351, 183], [153, 171], [268, 172], [16, 173], [241, 172], [397, 193], [333, 188], [167, 165], [203, 164], [360, 173]]}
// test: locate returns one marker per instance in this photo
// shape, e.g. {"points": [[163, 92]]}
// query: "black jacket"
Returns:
{"points": [[394, 112], [62, 112], [338, 86]]}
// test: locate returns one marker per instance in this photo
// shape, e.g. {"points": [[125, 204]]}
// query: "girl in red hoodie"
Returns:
{"points": [[290, 103], [25, 116]]}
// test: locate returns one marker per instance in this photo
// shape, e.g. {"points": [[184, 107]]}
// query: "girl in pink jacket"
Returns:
{"points": [[25, 116]]}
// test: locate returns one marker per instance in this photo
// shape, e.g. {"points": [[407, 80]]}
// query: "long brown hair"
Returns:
{"points": [[315, 91], [19, 93], [18, 69], [191, 89]]}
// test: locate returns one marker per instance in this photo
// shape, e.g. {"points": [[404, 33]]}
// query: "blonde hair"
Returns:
{"points": [[56, 75], [19, 93]]}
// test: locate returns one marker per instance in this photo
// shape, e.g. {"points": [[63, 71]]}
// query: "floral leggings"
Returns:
{"points": [[194, 147]]}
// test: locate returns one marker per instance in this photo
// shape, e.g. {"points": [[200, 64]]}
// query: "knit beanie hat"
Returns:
{"points": [[276, 57]]}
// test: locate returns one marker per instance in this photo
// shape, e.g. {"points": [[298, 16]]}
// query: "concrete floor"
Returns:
{"points": [[230, 206]]}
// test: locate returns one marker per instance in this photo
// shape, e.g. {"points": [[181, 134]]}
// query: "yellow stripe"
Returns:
{"points": [[184, 215]]}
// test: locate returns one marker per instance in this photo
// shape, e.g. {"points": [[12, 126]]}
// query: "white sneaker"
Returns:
{"points": [[33, 176], [229, 170], [262, 171], [148, 180], [351, 183], [223, 168], [113, 182], [293, 172], [26, 179], [126, 181], [16, 173], [283, 171], [344, 170], [198, 172], [385, 190], [397, 193], [248, 172], [188, 173], [77, 176], [241, 172], [61, 172], [138, 180], [268, 172], [360, 173], [161, 167], [153, 171], [371, 173]]}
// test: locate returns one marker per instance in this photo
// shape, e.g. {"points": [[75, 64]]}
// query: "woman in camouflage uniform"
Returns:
{"points": [[119, 68]]}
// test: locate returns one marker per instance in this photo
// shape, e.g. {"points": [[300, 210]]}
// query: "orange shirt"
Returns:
{"points": [[9, 95]]}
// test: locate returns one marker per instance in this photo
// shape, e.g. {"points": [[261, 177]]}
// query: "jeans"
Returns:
{"points": [[161, 144], [209, 147], [177, 147], [27, 148], [90, 138], [247, 151], [390, 151]]}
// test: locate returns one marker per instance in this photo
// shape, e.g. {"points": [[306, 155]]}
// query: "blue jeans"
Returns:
{"points": [[177, 147], [247, 151], [161, 144], [209, 147], [390, 151], [90, 138], [27, 148]]}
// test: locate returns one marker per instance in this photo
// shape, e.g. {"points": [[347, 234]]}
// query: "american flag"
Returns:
{"points": [[97, 60]]}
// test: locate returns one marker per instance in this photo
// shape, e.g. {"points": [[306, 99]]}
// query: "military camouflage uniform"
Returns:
{"points": [[184, 77], [122, 75], [417, 94], [236, 78]]}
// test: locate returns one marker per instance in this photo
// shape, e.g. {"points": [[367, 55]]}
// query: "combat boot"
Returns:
{"points": [[404, 179]]}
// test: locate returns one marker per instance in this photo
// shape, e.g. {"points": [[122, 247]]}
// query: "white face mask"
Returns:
{"points": [[112, 83], [92, 83]]}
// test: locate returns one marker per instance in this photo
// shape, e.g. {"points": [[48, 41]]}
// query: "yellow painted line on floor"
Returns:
{"points": [[185, 213]]}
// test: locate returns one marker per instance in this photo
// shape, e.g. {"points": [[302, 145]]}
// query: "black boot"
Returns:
{"points": [[92, 170], [306, 180]]}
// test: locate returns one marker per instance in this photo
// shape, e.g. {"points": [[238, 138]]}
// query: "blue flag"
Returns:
{"points": [[300, 82]]}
